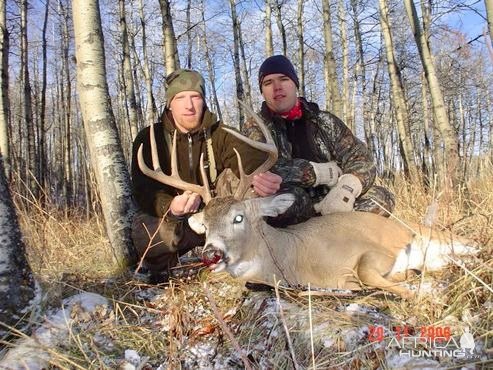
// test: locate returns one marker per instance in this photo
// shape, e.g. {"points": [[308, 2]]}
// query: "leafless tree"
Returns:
{"points": [[16, 279], [107, 158]]}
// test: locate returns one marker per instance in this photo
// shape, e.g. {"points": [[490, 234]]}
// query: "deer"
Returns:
{"points": [[350, 251]]}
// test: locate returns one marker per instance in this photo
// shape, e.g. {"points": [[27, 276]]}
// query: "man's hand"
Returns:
{"points": [[266, 183], [326, 173], [341, 197], [188, 202]]}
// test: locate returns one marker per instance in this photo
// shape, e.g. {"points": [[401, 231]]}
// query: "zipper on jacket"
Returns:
{"points": [[190, 155]]}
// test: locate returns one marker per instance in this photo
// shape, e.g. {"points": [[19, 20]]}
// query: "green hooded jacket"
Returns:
{"points": [[153, 197]]}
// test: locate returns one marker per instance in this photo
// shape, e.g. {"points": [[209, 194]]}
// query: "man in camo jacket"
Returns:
{"points": [[320, 160]]}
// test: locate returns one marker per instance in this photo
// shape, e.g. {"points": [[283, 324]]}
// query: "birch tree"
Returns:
{"points": [[27, 111], [333, 101], [347, 110], [170, 51], [301, 47], [151, 103], [449, 173], [269, 46], [66, 101], [4, 86], [489, 16], [280, 25], [210, 64], [107, 158], [236, 60], [42, 115], [16, 280], [398, 95], [128, 79]]}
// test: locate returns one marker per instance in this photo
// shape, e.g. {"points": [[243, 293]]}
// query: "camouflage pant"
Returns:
{"points": [[302, 209], [160, 242]]}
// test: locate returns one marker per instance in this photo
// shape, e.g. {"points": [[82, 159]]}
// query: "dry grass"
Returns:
{"points": [[171, 326]]}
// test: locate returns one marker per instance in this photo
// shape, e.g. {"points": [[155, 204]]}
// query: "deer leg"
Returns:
{"points": [[371, 269]]}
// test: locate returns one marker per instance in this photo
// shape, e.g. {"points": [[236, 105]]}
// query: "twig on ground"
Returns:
{"points": [[226, 329], [286, 330]]}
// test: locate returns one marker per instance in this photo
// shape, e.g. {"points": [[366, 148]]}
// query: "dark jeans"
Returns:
{"points": [[160, 242]]}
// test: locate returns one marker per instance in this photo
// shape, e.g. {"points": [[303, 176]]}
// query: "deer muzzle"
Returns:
{"points": [[212, 256]]}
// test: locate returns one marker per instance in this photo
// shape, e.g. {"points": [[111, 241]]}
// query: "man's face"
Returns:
{"points": [[279, 92], [186, 108]]}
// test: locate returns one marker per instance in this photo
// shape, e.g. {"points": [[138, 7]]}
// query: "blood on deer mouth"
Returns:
{"points": [[211, 256]]}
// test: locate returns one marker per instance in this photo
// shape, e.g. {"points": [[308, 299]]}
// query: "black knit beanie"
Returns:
{"points": [[277, 64]]}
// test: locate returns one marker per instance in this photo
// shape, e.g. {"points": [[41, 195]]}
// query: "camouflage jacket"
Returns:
{"points": [[318, 136], [154, 197]]}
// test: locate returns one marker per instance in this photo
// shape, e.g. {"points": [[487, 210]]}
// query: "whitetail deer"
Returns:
{"points": [[340, 250]]}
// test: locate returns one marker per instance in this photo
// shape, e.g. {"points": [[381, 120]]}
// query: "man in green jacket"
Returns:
{"points": [[165, 208], [320, 160]]}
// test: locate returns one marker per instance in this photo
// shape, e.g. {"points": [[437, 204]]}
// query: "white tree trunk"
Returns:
{"points": [[107, 158], [398, 97], [269, 46], [333, 101], [450, 175], [4, 86], [16, 280]]}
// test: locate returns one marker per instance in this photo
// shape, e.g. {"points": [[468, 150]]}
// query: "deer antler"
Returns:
{"points": [[269, 146], [174, 179]]}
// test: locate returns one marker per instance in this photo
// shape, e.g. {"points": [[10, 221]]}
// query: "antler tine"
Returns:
{"points": [[269, 146], [174, 179]]}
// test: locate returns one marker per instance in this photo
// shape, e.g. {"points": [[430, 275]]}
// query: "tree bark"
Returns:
{"points": [[151, 103], [16, 279], [301, 48], [31, 170], [4, 86], [128, 80], [280, 26], [398, 95], [332, 97], [42, 116], [210, 65], [170, 50], [489, 16], [346, 102], [236, 61], [107, 158], [269, 46], [449, 175], [66, 89]]}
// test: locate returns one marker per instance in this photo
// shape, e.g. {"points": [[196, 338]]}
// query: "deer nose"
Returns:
{"points": [[211, 255]]}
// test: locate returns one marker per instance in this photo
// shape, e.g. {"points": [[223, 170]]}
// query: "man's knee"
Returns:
{"points": [[377, 200], [159, 242]]}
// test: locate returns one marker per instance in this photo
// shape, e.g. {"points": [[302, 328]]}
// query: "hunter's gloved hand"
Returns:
{"points": [[341, 197], [326, 173]]}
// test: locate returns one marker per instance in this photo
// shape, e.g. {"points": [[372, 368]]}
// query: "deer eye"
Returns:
{"points": [[238, 219]]}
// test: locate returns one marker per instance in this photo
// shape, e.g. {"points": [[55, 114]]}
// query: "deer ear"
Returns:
{"points": [[276, 205], [196, 222]]}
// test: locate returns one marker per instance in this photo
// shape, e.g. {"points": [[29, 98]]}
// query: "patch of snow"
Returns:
{"points": [[32, 352]]}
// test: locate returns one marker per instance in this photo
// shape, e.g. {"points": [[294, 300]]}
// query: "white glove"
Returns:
{"points": [[326, 173], [341, 197]]}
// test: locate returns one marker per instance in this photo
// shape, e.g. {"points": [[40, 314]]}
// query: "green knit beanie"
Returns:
{"points": [[183, 80]]}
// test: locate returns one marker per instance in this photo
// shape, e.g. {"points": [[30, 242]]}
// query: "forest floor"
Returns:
{"points": [[205, 320]]}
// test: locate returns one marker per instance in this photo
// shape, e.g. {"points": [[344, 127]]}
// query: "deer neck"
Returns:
{"points": [[276, 253]]}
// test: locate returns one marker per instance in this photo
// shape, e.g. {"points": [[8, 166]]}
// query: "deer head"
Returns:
{"points": [[229, 225]]}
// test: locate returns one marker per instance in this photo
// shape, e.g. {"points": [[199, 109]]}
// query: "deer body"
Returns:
{"points": [[340, 250]]}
